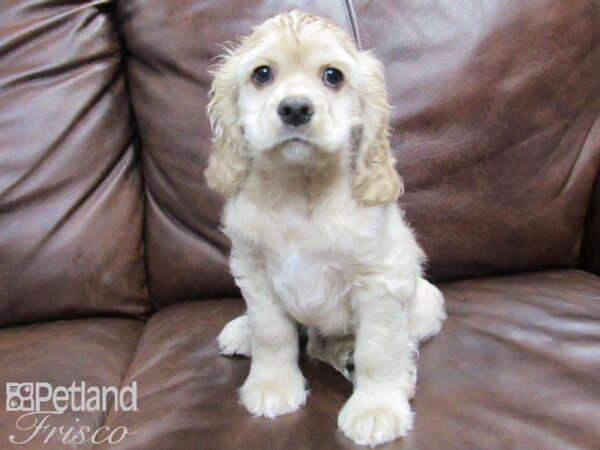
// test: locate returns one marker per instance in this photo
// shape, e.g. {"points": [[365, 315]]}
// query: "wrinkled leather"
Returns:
{"points": [[71, 206], [517, 365], [94, 351], [496, 126]]}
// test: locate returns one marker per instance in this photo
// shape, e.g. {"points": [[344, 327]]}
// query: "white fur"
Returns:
{"points": [[317, 237], [234, 339]]}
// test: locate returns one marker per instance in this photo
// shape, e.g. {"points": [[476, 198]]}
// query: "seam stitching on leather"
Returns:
{"points": [[354, 22]]}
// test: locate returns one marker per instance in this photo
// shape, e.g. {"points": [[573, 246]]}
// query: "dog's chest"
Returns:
{"points": [[311, 272]]}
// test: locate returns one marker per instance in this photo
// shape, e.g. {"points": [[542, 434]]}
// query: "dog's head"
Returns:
{"points": [[298, 88]]}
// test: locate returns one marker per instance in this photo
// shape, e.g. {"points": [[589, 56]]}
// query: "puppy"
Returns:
{"points": [[301, 151]]}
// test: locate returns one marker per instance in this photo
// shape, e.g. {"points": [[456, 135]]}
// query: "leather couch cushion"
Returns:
{"points": [[517, 366], [496, 126], [94, 351], [70, 184], [493, 106]]}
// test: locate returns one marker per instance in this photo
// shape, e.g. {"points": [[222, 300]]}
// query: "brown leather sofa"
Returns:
{"points": [[113, 269]]}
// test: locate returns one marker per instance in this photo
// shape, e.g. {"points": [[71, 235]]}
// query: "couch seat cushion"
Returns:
{"points": [[94, 351], [517, 365]]}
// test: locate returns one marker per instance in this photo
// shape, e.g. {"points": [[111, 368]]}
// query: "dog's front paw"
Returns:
{"points": [[272, 397], [373, 420]]}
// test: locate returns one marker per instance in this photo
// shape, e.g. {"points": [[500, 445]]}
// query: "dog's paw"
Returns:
{"points": [[368, 420], [282, 394], [234, 339]]}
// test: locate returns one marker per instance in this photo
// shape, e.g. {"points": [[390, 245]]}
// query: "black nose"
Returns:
{"points": [[296, 111]]}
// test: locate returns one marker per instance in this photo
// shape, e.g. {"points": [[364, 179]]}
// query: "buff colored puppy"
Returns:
{"points": [[300, 121]]}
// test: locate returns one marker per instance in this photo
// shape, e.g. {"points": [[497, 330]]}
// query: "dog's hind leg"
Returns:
{"points": [[235, 337], [425, 312], [336, 351]]}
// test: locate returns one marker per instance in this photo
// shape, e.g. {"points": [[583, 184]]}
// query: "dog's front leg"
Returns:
{"points": [[385, 373], [275, 384]]}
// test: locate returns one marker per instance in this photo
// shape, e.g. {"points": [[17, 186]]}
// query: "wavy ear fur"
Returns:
{"points": [[227, 166], [376, 180]]}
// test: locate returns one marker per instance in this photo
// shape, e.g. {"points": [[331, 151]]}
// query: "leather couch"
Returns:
{"points": [[113, 268]]}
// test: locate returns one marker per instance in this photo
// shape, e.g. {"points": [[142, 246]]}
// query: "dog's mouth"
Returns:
{"points": [[294, 139], [298, 140], [295, 148]]}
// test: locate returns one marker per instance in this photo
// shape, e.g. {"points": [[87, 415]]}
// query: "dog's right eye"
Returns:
{"points": [[262, 75]]}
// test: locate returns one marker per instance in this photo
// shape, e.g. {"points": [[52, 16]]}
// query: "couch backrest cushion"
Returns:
{"points": [[493, 103], [71, 205]]}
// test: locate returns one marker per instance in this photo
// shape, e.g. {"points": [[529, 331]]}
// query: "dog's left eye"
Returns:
{"points": [[332, 77], [262, 75]]}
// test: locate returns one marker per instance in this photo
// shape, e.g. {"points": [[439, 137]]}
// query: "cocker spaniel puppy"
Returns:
{"points": [[300, 121]]}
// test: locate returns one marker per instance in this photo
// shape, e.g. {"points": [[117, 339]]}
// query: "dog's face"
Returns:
{"points": [[299, 96], [298, 89]]}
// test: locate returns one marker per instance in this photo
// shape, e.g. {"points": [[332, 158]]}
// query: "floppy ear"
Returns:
{"points": [[227, 165], [376, 180]]}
